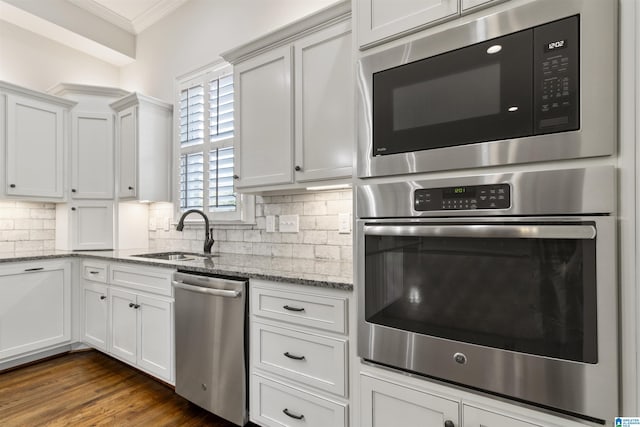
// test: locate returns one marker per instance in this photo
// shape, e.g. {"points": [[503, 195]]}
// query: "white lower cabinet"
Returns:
{"points": [[275, 403], [311, 358], [96, 314], [132, 325], [477, 417], [141, 331], [35, 307], [299, 355], [392, 399], [384, 403]]}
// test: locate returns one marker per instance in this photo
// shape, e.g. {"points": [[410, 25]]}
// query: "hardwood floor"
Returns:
{"points": [[91, 389]]}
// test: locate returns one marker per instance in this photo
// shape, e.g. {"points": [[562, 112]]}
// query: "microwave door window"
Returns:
{"points": [[470, 95], [534, 296]]}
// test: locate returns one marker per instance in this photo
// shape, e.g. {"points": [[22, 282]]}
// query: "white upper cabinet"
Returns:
{"points": [[383, 20], [92, 139], [92, 152], [85, 225], [264, 105], [294, 103], [324, 104], [35, 129], [143, 147]]}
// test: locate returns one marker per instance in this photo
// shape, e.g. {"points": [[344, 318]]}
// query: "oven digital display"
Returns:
{"points": [[458, 192], [492, 196]]}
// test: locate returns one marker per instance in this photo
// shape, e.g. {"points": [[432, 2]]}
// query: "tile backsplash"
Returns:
{"points": [[318, 236], [27, 226]]}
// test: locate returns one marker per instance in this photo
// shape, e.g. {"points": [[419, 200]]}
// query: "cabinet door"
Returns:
{"points": [[476, 417], [35, 148], [264, 102], [324, 104], [155, 351], [468, 4], [95, 315], [92, 225], [35, 308], [386, 404], [128, 153], [92, 143], [123, 315], [383, 19]]}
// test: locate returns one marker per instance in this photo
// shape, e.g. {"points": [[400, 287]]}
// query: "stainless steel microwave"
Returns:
{"points": [[529, 82]]}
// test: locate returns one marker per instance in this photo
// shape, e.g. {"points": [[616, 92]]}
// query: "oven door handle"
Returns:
{"points": [[531, 231]]}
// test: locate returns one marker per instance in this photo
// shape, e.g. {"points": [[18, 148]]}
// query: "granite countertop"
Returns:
{"points": [[309, 272]]}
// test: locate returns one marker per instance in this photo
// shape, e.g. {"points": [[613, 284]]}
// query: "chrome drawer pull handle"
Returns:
{"points": [[288, 307], [289, 414], [291, 356]]}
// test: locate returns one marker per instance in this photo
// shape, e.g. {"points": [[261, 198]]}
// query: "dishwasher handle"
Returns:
{"points": [[209, 291]]}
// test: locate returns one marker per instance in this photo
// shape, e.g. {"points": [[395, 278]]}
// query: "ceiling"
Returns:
{"points": [[105, 29], [130, 15]]}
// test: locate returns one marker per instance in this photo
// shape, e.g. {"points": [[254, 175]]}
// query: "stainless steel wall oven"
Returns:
{"points": [[501, 282], [535, 81]]}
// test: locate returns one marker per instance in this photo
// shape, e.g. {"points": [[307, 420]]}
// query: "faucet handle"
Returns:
{"points": [[208, 241]]}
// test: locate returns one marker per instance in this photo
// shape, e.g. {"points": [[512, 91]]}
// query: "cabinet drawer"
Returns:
{"points": [[312, 359], [473, 416], [94, 271], [306, 309], [153, 280], [276, 404]]}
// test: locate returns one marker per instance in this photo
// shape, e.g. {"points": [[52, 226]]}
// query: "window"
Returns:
{"points": [[205, 146]]}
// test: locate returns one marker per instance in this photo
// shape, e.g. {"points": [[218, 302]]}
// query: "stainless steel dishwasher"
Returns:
{"points": [[212, 343]]}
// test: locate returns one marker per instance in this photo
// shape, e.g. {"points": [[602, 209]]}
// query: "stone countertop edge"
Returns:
{"points": [[107, 256]]}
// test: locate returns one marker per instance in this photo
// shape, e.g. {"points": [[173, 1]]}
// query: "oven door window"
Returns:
{"points": [[529, 295], [478, 93]]}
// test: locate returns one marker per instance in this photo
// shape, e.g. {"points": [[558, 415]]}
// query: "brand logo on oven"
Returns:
{"points": [[558, 44]]}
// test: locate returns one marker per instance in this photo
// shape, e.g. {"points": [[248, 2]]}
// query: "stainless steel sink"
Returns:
{"points": [[176, 256]]}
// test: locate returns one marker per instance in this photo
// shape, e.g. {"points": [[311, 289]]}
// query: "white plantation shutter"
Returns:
{"points": [[206, 143]]}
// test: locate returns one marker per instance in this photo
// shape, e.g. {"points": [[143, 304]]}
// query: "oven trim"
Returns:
{"points": [[598, 88]]}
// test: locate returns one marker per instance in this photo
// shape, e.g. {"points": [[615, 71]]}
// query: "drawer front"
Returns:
{"points": [[276, 404], [95, 271], [314, 360], [305, 309], [479, 417], [157, 281]]}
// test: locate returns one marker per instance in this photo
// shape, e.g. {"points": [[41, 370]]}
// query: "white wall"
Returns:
{"points": [[195, 34], [35, 62]]}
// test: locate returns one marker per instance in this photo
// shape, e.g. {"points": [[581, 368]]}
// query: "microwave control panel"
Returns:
{"points": [[556, 74], [466, 197]]}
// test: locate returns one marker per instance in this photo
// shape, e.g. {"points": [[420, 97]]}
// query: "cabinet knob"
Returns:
{"points": [[236, 177], [130, 188], [137, 306], [449, 423], [73, 209], [298, 168], [12, 185], [73, 190], [102, 297], [132, 305]]}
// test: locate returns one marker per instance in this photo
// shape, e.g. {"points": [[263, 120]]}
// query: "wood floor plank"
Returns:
{"points": [[92, 389]]}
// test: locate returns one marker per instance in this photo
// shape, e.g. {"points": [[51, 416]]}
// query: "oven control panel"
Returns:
{"points": [[469, 197]]}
